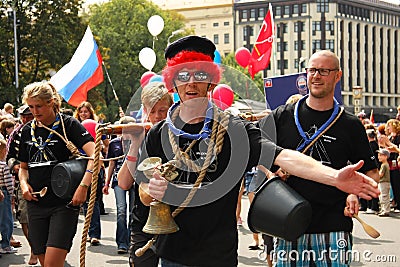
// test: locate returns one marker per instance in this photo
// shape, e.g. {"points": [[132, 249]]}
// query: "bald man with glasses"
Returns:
{"points": [[339, 139]]}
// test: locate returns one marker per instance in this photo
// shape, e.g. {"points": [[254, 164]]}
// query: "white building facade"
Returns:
{"points": [[365, 34]]}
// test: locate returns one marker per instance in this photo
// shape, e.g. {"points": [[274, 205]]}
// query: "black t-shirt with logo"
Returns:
{"points": [[207, 234], [39, 168], [345, 142]]}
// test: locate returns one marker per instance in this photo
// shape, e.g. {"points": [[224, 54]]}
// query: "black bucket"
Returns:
{"points": [[67, 176], [278, 210]]}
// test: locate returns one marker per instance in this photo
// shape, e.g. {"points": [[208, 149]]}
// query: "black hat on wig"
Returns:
{"points": [[191, 43]]}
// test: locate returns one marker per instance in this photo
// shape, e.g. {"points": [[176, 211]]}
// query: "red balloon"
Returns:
{"points": [[242, 56], [90, 126], [223, 96], [144, 80]]}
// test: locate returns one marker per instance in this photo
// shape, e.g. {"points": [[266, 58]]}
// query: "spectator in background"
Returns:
{"points": [[6, 216], [13, 149], [398, 113], [393, 130], [371, 206], [384, 182], [115, 150], [156, 101], [8, 111], [7, 127], [83, 112]]}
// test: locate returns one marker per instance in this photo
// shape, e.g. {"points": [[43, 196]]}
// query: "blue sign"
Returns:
{"points": [[279, 88]]}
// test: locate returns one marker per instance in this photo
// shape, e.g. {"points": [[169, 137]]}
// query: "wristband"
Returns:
{"points": [[131, 158], [83, 185], [89, 171]]}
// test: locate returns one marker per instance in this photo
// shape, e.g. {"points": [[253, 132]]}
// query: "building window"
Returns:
{"points": [[226, 23], [286, 10], [299, 26], [330, 44], [215, 24], [316, 45], [285, 64], [329, 26], [296, 9], [282, 46], [316, 26], [278, 11], [244, 15], [322, 6], [247, 32], [216, 39], [226, 38], [261, 13], [303, 8], [302, 45], [281, 29], [253, 13]]}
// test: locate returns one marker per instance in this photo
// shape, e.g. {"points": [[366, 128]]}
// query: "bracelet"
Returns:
{"points": [[131, 158], [83, 185], [89, 171]]}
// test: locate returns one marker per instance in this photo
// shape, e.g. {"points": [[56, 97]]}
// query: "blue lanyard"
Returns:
{"points": [[203, 134], [321, 129]]}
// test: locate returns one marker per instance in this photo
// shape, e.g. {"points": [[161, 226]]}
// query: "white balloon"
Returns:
{"points": [[155, 24], [147, 58]]}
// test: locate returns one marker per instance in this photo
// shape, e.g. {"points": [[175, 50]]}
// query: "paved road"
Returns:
{"points": [[370, 251]]}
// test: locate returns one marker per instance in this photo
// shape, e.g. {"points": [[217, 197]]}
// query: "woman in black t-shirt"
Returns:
{"points": [[52, 220]]}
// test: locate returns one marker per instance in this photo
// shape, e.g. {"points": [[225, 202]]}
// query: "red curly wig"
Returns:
{"points": [[190, 60]]}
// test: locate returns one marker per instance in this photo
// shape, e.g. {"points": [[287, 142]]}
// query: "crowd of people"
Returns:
{"points": [[214, 155]]}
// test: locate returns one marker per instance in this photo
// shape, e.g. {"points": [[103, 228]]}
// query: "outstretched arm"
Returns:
{"points": [[346, 179]]}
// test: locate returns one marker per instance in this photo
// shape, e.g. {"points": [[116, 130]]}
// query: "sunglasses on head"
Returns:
{"points": [[184, 76]]}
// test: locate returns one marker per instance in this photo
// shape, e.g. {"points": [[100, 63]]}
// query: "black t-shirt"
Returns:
{"points": [[115, 150], [345, 142], [208, 234], [39, 168]]}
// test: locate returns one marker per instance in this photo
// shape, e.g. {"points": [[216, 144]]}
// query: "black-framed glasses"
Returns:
{"points": [[200, 76], [322, 72]]}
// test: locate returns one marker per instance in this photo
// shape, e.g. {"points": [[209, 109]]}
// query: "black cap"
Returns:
{"points": [[24, 110], [191, 43]]}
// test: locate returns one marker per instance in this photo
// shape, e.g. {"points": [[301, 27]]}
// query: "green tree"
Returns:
{"points": [[48, 34], [120, 27]]}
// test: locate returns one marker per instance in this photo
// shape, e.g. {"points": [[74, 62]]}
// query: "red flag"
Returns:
{"points": [[371, 116], [262, 49]]}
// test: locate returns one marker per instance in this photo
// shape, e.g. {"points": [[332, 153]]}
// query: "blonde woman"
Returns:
{"points": [[52, 220]]}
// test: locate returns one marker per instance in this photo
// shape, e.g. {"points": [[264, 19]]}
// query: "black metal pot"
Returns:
{"points": [[278, 210], [67, 176]]}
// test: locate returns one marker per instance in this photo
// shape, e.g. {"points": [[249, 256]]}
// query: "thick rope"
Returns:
{"points": [[92, 199]]}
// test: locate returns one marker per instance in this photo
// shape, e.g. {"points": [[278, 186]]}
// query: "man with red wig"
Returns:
{"points": [[211, 150]]}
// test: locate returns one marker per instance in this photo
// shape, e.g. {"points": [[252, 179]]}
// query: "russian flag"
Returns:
{"points": [[82, 73]]}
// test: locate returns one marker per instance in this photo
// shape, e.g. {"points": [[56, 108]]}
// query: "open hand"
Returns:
{"points": [[353, 182]]}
